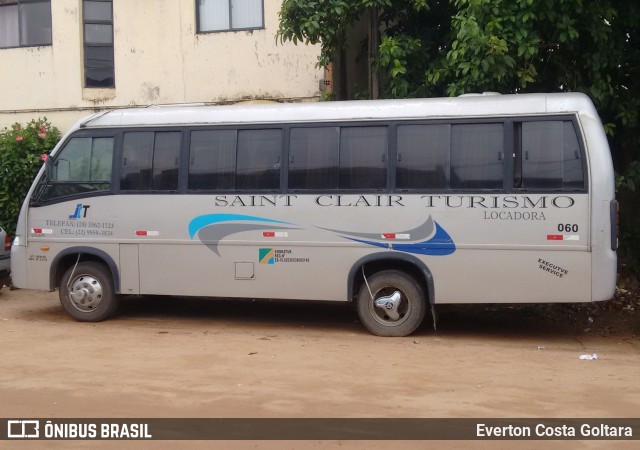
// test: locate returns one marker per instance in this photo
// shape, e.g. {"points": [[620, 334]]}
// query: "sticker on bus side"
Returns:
{"points": [[429, 238]]}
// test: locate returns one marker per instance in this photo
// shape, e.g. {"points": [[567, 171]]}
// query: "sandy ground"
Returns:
{"points": [[176, 357]]}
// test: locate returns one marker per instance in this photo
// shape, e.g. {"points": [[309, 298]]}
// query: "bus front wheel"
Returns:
{"points": [[87, 293], [391, 303]]}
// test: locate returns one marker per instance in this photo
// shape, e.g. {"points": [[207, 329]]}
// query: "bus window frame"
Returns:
{"points": [[586, 176], [509, 149], [46, 176]]}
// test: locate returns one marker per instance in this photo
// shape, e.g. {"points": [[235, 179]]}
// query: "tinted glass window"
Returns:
{"points": [[137, 161], [166, 157], [550, 156], [99, 70], [313, 158], [258, 159], [98, 56], [212, 159], [572, 167], [363, 158], [150, 161], [477, 154], [99, 77], [98, 34], [82, 166], [423, 156], [97, 10], [542, 154]]}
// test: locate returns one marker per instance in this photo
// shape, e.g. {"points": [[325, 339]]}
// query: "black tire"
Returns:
{"points": [[411, 305], [87, 293]]}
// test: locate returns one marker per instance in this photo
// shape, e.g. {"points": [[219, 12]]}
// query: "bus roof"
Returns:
{"points": [[464, 106]]}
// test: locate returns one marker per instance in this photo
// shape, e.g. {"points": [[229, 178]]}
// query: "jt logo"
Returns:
{"points": [[80, 212]]}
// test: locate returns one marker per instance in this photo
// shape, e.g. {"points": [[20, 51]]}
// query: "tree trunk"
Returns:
{"points": [[374, 25]]}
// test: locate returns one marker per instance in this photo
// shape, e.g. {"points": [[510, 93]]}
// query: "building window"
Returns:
{"points": [[25, 23], [99, 69], [229, 15]]}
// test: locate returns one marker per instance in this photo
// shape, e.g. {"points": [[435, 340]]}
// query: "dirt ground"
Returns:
{"points": [[177, 357]]}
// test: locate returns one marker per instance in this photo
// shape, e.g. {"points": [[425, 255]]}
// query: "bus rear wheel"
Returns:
{"points": [[87, 293], [391, 303]]}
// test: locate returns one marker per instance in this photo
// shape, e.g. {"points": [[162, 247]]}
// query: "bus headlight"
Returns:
{"points": [[16, 241]]}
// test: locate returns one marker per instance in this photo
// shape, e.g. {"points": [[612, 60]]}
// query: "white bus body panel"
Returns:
{"points": [[305, 245]]}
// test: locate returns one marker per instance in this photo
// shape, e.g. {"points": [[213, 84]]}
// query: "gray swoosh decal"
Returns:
{"points": [[213, 234], [420, 233]]}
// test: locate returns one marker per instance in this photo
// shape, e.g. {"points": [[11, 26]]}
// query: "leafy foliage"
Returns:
{"points": [[628, 189], [413, 30], [630, 181], [23, 150]]}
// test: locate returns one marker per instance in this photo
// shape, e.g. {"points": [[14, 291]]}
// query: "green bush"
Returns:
{"points": [[23, 150], [628, 193]]}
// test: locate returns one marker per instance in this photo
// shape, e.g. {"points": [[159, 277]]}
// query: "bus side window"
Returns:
{"points": [[150, 161], [212, 160], [313, 158], [572, 167], [258, 159], [550, 155], [363, 158], [81, 167], [423, 156], [477, 156]]}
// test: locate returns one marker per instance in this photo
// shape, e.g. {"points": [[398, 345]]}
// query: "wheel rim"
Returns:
{"points": [[390, 306], [85, 293]]}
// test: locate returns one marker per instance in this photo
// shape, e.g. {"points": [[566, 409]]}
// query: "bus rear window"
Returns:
{"points": [[551, 156]]}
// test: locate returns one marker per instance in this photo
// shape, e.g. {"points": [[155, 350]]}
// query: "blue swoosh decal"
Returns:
{"points": [[200, 222]]}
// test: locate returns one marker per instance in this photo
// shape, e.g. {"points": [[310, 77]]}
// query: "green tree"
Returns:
{"points": [[23, 150], [411, 32]]}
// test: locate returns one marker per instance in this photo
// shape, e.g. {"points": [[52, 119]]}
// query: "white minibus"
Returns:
{"points": [[395, 205]]}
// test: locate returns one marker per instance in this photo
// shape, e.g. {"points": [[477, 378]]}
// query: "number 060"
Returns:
{"points": [[568, 227]]}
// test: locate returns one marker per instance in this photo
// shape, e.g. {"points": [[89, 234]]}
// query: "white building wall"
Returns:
{"points": [[159, 59]]}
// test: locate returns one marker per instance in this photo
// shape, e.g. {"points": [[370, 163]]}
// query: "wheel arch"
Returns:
{"points": [[68, 258], [397, 261]]}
